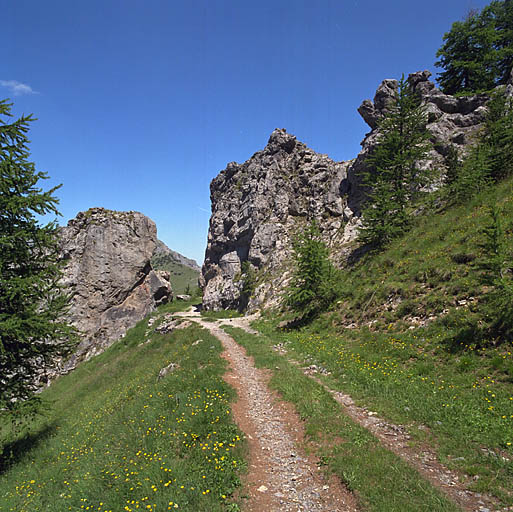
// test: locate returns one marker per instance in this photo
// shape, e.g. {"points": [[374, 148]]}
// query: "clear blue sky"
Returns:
{"points": [[141, 103]]}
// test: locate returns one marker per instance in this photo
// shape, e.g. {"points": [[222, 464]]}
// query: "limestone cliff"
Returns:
{"points": [[258, 205], [109, 276]]}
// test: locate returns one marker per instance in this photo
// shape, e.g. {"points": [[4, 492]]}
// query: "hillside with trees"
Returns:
{"points": [[477, 54]]}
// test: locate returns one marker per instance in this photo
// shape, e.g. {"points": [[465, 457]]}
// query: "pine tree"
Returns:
{"points": [[453, 165], [498, 135], [491, 159], [248, 282], [473, 175], [312, 287], [498, 303], [477, 54], [394, 177], [31, 299]]}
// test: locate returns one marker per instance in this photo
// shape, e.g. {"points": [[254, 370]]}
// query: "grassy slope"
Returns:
{"points": [[116, 438], [381, 481], [451, 392], [181, 275], [430, 270]]}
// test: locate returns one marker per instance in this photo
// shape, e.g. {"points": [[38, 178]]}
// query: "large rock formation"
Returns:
{"points": [[452, 122], [109, 275], [257, 206]]}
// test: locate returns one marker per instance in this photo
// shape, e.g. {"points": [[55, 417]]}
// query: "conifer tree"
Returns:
{"points": [[312, 287], [453, 165], [491, 158], [477, 54], [498, 303], [31, 299], [498, 135], [393, 176]]}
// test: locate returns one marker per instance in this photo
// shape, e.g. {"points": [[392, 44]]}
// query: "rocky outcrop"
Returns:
{"points": [[257, 206], [109, 276], [452, 122]]}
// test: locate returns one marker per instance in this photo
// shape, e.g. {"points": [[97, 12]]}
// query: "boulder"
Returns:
{"points": [[109, 275], [170, 368]]}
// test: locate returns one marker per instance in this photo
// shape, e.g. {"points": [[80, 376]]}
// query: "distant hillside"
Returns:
{"points": [[184, 271]]}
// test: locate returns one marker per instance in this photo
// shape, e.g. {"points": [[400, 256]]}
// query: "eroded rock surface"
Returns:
{"points": [[257, 206], [452, 122], [109, 274]]}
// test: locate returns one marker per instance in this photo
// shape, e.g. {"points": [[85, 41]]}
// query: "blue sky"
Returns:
{"points": [[141, 103]]}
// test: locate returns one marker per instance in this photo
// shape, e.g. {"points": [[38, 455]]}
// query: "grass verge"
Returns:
{"points": [[219, 315], [118, 438]]}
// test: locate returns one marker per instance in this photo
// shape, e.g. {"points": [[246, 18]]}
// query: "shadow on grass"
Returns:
{"points": [[358, 253], [11, 453], [297, 323]]}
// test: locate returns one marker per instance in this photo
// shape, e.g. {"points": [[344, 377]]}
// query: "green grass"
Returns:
{"points": [[431, 269], [178, 305], [118, 438], [462, 404], [381, 480], [181, 276], [219, 315]]}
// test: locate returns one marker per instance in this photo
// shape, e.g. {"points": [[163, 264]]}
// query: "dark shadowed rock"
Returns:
{"points": [[109, 275]]}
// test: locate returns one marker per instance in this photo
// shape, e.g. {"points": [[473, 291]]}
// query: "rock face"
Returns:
{"points": [[453, 122], [257, 206], [109, 275]]}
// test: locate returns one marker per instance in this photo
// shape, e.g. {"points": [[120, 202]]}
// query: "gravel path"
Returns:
{"points": [[397, 440], [280, 477]]}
